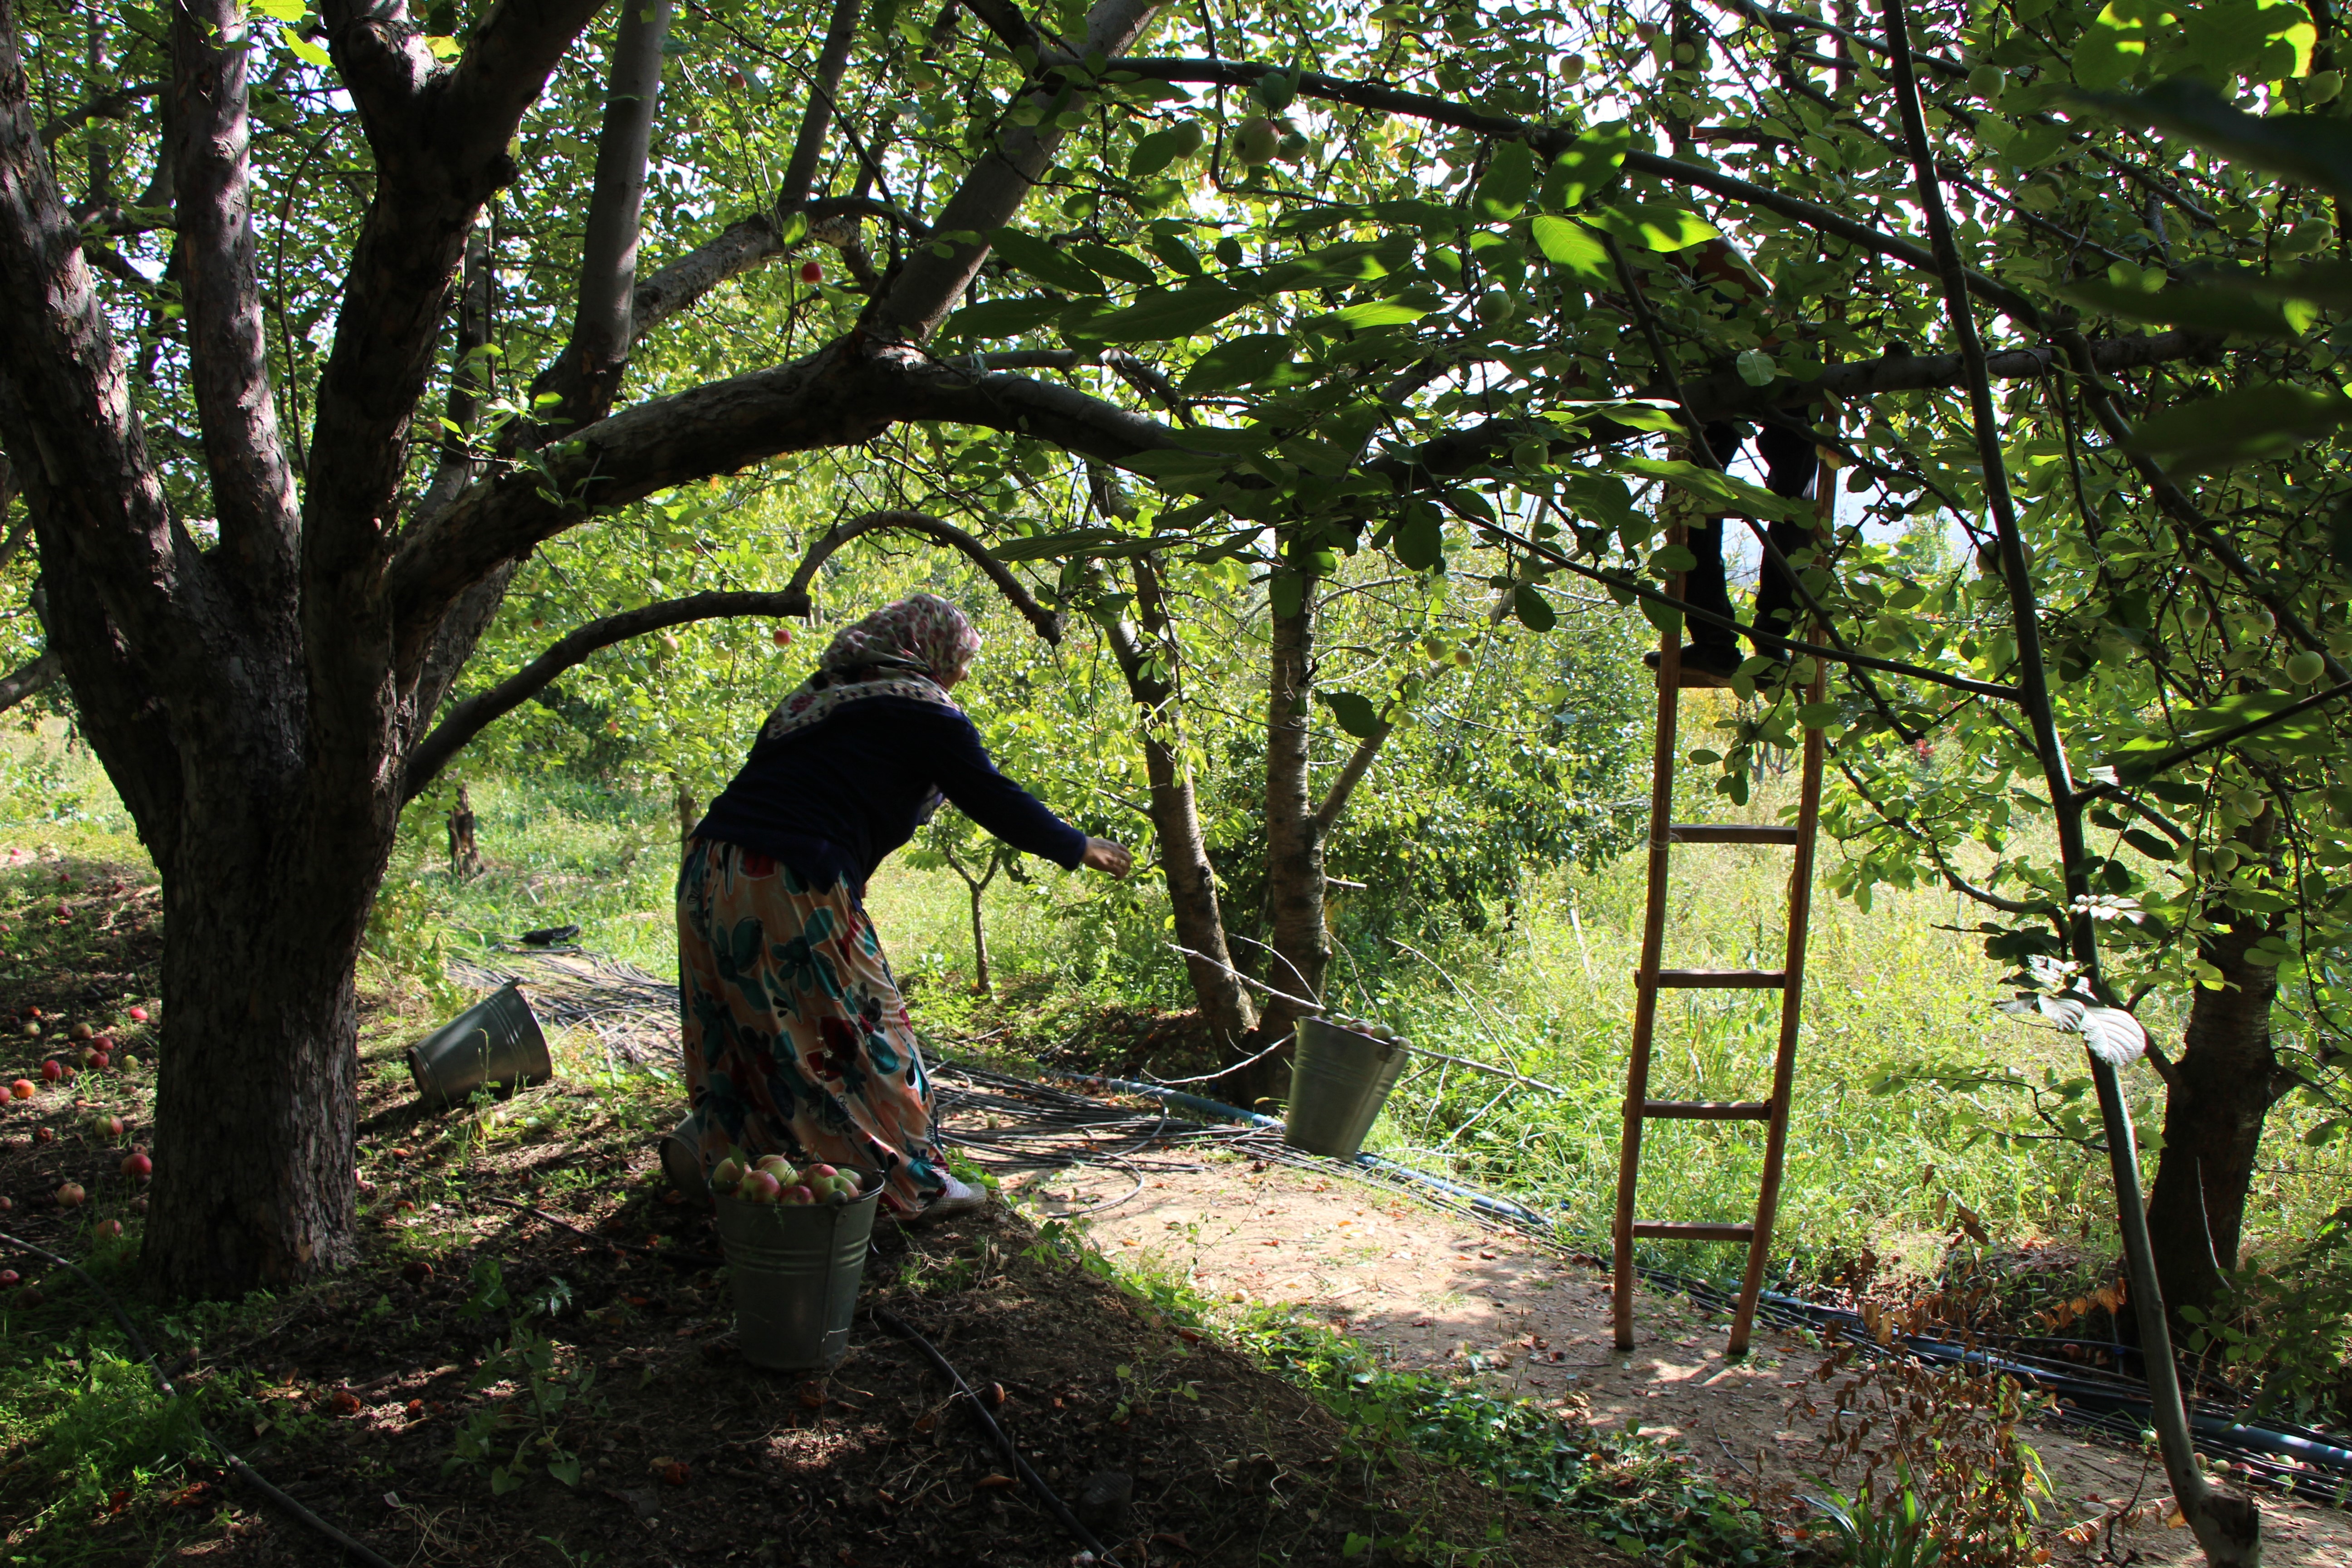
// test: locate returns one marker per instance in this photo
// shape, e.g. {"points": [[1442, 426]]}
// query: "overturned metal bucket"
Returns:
{"points": [[795, 1271], [496, 1042], [1339, 1080]]}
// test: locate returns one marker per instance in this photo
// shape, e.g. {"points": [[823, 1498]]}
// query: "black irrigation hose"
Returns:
{"points": [[242, 1472], [896, 1326], [2281, 1454]]}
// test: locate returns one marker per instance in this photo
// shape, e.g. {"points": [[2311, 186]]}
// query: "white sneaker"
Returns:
{"points": [[955, 1202]]}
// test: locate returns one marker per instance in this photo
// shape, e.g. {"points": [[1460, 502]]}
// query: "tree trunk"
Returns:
{"points": [[257, 1090], [1293, 839], [2221, 1089], [1184, 865], [979, 941]]}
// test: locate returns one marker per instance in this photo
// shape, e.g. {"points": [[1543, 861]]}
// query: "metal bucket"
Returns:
{"points": [[496, 1042], [1339, 1080], [795, 1271]]}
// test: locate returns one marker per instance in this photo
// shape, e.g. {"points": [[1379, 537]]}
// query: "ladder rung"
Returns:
{"points": [[1723, 979], [1686, 1230], [1728, 833], [1707, 1110]]}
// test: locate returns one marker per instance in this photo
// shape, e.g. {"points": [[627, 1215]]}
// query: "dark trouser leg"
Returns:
{"points": [[1791, 466], [1703, 586]]}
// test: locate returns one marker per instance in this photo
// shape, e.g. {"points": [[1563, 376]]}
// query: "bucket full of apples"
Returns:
{"points": [[1339, 1079], [796, 1241]]}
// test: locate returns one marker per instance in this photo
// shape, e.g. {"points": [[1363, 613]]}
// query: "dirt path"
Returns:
{"points": [[1435, 1293]]}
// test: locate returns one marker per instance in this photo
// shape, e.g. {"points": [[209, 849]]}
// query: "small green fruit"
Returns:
{"points": [[1496, 306], [1190, 137], [1571, 68], [2305, 667], [1256, 139]]}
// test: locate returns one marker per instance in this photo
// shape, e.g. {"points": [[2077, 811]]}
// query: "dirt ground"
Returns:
{"points": [[1434, 1292]]}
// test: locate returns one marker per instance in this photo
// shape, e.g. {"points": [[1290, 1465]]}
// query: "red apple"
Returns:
{"points": [[110, 1228], [758, 1187], [137, 1166], [811, 272], [101, 1060], [10, 1278], [799, 1196], [139, 1014], [43, 1136], [783, 636], [52, 1070], [813, 1175], [81, 1032], [7, 1203], [71, 1195], [22, 1089], [32, 1011]]}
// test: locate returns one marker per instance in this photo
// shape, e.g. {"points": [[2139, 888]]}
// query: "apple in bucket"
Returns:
{"points": [[772, 1179]]}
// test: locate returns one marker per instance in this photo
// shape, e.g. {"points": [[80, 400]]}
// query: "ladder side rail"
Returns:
{"points": [[1646, 980]]}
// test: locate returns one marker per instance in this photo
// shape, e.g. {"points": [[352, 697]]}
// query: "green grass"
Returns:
{"points": [[55, 799], [1889, 993]]}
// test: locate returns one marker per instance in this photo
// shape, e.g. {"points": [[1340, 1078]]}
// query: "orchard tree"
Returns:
{"points": [[372, 329]]}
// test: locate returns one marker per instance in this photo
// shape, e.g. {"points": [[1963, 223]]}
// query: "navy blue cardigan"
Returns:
{"points": [[831, 801]]}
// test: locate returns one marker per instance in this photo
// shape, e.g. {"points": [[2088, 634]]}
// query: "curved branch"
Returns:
{"points": [[115, 105], [476, 713], [28, 682], [680, 284], [1047, 622]]}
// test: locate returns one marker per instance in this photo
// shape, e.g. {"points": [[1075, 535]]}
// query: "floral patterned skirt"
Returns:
{"points": [[797, 1041]]}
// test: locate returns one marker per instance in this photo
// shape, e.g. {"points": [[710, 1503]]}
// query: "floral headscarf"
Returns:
{"points": [[922, 627], [910, 648]]}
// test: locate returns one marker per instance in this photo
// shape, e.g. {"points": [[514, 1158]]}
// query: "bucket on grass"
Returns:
{"points": [[496, 1042], [795, 1269], [1339, 1080]]}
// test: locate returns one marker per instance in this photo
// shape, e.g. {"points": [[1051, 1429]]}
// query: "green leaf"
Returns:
{"points": [[1043, 262], [1657, 224], [1077, 542], [2247, 425], [1590, 164], [794, 229], [2116, 45], [1568, 243], [1351, 712], [1754, 367], [1157, 316], [2309, 149], [1718, 488], [1002, 318], [1116, 263], [304, 50], [1534, 611], [1380, 314], [1510, 174], [281, 10], [1176, 253], [1238, 361], [2210, 309], [1421, 539], [1153, 154]]}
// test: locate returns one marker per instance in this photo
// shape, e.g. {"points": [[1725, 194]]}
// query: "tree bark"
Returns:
{"points": [[1184, 863], [1301, 943], [2223, 1084]]}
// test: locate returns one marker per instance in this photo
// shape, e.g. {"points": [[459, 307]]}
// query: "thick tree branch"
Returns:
{"points": [[1351, 773], [478, 712], [66, 415], [991, 194], [586, 376], [30, 680], [1013, 29], [742, 246], [252, 484], [1047, 622], [816, 114]]}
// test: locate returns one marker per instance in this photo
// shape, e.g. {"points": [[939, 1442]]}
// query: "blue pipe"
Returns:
{"points": [[2310, 1450]]}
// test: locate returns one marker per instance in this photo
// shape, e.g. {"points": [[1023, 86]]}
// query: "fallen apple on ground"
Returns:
{"points": [[110, 1228], [71, 1195], [52, 1070], [22, 1089], [10, 1278], [137, 1167]]}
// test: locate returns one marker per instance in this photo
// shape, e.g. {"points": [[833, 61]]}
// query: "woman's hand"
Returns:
{"points": [[1104, 856]]}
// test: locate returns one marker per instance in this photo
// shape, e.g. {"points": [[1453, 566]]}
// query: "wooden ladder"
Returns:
{"points": [[1652, 977]]}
